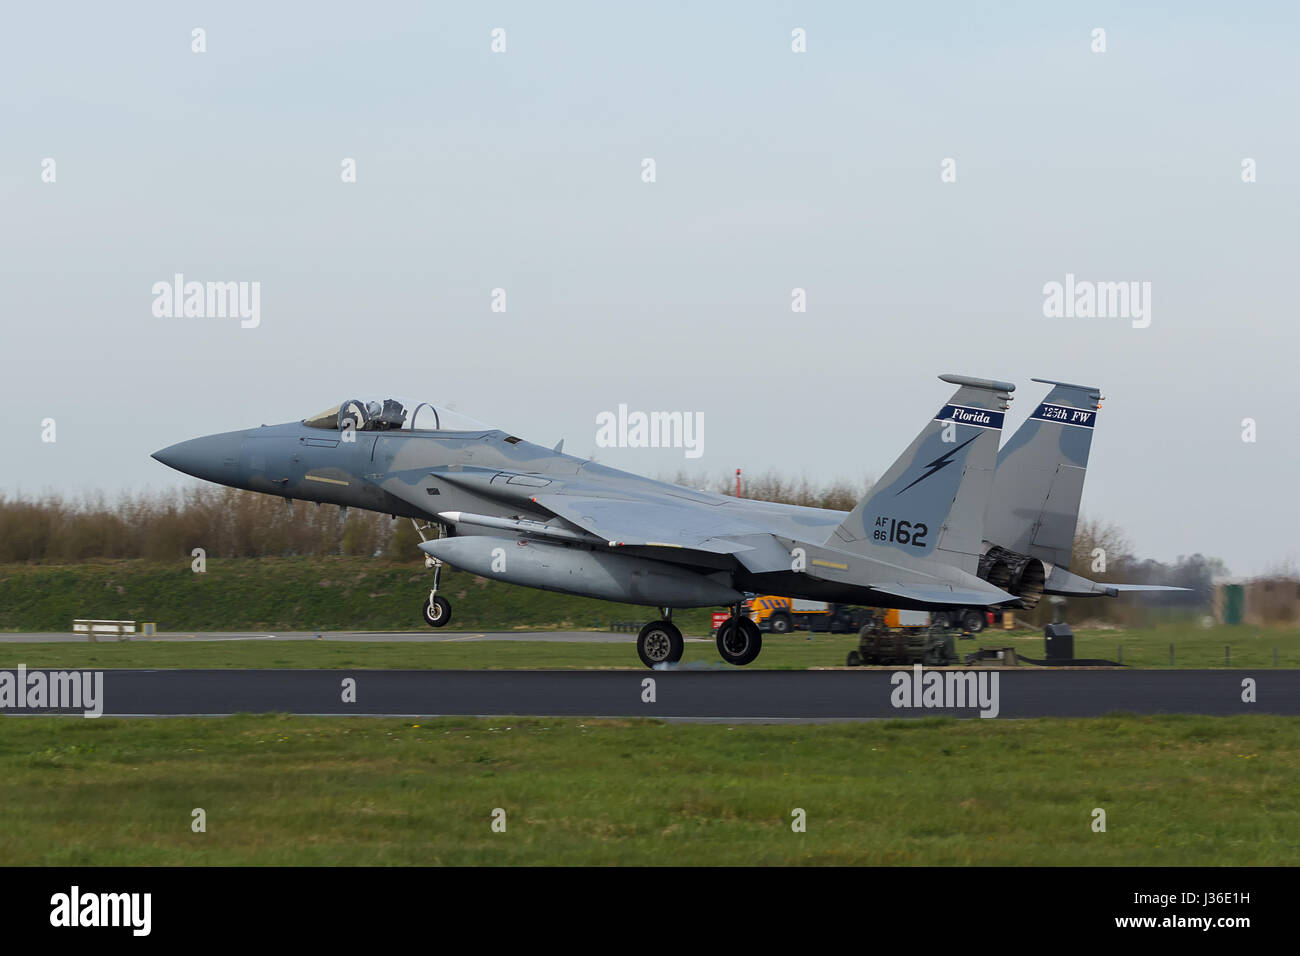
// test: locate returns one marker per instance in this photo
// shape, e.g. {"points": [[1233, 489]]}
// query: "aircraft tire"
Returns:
{"points": [[437, 612], [659, 642], [739, 649]]}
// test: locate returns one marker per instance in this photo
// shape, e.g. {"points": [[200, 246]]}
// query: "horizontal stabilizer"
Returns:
{"points": [[1068, 584], [1143, 587], [945, 594]]}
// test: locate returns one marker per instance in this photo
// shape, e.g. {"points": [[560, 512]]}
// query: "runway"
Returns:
{"points": [[858, 694]]}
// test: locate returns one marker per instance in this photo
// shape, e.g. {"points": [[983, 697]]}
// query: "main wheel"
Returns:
{"points": [[739, 642], [437, 612], [781, 623], [659, 643], [974, 621]]}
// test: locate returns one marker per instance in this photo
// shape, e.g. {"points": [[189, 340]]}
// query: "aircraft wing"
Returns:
{"points": [[659, 522], [700, 527]]}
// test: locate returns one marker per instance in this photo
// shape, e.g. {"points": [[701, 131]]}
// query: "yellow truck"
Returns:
{"points": [[781, 615]]}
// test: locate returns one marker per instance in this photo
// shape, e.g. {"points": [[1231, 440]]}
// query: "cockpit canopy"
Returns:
{"points": [[392, 414]]}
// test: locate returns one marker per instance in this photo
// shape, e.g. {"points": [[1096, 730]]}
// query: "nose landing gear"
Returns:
{"points": [[437, 610]]}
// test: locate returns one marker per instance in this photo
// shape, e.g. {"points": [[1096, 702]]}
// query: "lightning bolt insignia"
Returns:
{"points": [[940, 463]]}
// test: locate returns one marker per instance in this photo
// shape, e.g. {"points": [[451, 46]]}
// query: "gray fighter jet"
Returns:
{"points": [[501, 507]]}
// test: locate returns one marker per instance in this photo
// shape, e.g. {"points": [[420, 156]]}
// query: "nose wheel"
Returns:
{"points": [[659, 643], [437, 611]]}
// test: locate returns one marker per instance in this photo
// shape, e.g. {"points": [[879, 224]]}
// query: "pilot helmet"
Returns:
{"points": [[352, 414]]}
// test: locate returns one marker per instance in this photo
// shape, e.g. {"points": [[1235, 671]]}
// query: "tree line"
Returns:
{"points": [[167, 525]]}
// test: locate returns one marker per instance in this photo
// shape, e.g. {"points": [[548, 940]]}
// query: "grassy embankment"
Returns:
{"points": [[298, 594]]}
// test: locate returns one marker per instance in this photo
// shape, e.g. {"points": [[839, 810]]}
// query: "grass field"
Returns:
{"points": [[1194, 648], [298, 790]]}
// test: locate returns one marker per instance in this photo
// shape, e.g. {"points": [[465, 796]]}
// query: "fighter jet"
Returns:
{"points": [[496, 505]]}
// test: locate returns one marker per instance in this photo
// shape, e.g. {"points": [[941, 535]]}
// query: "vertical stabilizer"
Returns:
{"points": [[930, 504], [1034, 506]]}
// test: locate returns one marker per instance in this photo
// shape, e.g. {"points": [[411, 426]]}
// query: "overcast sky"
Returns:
{"points": [[774, 170]]}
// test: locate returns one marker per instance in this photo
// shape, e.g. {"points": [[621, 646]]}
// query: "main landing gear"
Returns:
{"points": [[739, 640], [660, 642]]}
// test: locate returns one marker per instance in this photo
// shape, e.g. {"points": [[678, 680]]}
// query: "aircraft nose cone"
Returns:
{"points": [[212, 457]]}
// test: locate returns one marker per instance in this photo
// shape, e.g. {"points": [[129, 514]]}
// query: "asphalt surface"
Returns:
{"points": [[732, 694]]}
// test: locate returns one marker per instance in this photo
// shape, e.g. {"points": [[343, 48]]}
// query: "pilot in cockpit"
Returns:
{"points": [[352, 416], [371, 416], [392, 415]]}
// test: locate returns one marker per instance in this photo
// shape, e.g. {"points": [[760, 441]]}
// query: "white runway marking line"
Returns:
{"points": [[469, 637]]}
